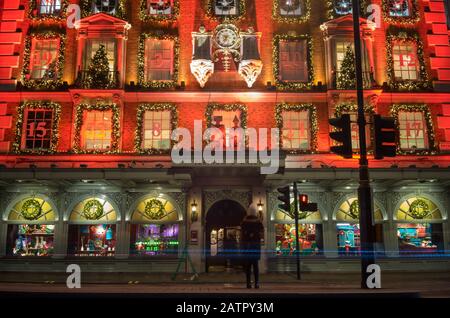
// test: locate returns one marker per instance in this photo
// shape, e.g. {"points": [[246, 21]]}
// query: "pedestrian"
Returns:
{"points": [[251, 230]]}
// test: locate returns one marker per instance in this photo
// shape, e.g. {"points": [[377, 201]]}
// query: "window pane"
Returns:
{"points": [[159, 7], [159, 59], [226, 7], [157, 130], [108, 6], [291, 7], [413, 131], [405, 61], [296, 130], [97, 129], [43, 57], [38, 129], [343, 7], [399, 8], [293, 62], [110, 46], [49, 7]]}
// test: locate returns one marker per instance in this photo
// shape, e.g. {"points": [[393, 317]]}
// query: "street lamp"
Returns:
{"points": [[194, 213]]}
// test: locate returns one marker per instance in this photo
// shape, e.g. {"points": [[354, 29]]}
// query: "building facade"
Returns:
{"points": [[91, 91]]}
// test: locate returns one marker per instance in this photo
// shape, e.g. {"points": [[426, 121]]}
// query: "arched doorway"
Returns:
{"points": [[223, 231]]}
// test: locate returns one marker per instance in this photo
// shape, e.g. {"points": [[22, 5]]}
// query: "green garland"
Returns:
{"points": [[306, 5], [210, 11], [419, 209], [115, 134], [145, 16], [280, 108], [141, 61], [31, 209], [47, 84], [396, 108], [139, 126], [331, 13], [411, 20], [93, 210], [406, 36], [282, 85], [226, 107], [352, 107], [47, 18], [86, 9], [54, 130], [154, 209], [301, 214], [354, 210]]}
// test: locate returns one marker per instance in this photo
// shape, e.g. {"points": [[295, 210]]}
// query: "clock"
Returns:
{"points": [[226, 38], [107, 6]]}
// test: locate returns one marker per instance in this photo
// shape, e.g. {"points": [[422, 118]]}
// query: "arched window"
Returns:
{"points": [[31, 227], [310, 232], [348, 231], [419, 228], [92, 228], [155, 227]]}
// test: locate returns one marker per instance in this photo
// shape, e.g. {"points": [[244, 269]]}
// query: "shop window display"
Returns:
{"points": [[154, 240], [348, 238], [30, 240], [92, 240], [419, 238], [310, 239]]}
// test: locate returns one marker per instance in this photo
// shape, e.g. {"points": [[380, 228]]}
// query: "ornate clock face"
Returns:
{"points": [[108, 6], [227, 38]]}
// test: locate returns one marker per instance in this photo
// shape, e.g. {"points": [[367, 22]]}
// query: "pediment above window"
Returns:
{"points": [[344, 25], [103, 22]]}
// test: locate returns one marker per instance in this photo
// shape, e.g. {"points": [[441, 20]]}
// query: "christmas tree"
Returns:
{"points": [[52, 72], [347, 75], [98, 72]]}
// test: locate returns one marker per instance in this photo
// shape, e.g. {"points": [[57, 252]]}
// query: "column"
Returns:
{"points": [[329, 239], [259, 194], [195, 228], [122, 230], [3, 234], [61, 229]]}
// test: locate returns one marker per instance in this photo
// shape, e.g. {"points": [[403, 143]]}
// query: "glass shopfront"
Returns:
{"points": [[154, 239], [310, 239], [92, 229]]}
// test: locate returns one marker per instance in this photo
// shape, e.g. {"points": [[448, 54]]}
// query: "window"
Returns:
{"points": [[43, 57], [225, 121], [341, 49], [155, 239], [310, 239], [159, 64], [107, 6], [97, 129], [405, 62], [343, 7], [355, 130], [157, 130], [293, 62], [399, 8], [413, 130], [160, 7], [226, 7], [291, 8], [92, 48], [296, 130], [30, 239], [49, 7], [38, 129]]}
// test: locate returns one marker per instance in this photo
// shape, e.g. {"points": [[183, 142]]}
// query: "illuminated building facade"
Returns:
{"points": [[87, 107]]}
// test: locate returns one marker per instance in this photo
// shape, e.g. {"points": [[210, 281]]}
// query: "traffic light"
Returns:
{"points": [[285, 197], [342, 135], [384, 137], [304, 205]]}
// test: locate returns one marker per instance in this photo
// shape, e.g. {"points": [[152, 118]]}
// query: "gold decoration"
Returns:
{"points": [[419, 209], [93, 210], [354, 209], [154, 209], [31, 209]]}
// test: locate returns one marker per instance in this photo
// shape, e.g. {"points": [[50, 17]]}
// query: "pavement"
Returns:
{"points": [[420, 284]]}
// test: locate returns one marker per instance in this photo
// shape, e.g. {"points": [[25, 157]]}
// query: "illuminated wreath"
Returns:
{"points": [[93, 210], [419, 209], [301, 214], [31, 209], [354, 209], [154, 209]]}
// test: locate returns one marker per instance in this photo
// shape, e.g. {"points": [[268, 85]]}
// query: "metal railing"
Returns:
{"points": [[83, 81], [368, 80]]}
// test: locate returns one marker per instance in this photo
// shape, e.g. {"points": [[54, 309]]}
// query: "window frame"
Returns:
{"points": [[147, 62], [144, 13], [210, 11], [303, 17], [412, 19], [87, 9], [34, 42]]}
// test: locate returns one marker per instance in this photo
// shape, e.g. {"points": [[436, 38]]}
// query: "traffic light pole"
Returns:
{"points": [[297, 243], [364, 190]]}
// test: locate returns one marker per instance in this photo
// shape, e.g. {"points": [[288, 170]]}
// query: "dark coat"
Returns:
{"points": [[251, 231]]}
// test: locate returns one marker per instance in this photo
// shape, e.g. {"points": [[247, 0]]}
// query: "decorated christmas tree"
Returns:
{"points": [[98, 72], [52, 72], [346, 78]]}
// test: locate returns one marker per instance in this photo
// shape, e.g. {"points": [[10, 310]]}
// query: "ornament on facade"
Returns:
{"points": [[419, 209], [354, 209], [93, 210], [154, 209], [31, 209], [226, 45]]}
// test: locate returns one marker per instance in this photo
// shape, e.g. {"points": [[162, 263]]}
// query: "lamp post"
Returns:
{"points": [[194, 213]]}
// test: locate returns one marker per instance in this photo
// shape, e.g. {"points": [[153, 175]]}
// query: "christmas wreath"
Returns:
{"points": [[419, 209], [31, 209], [301, 214], [93, 210], [354, 209], [154, 209]]}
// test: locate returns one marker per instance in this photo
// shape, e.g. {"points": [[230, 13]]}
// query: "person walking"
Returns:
{"points": [[251, 230]]}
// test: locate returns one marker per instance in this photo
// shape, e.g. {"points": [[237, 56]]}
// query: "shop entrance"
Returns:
{"points": [[223, 235]]}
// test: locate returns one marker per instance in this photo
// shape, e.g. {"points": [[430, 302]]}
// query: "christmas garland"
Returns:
{"points": [[210, 11], [419, 209], [404, 36], [226, 107], [36, 17], [93, 210], [396, 108], [86, 9], [413, 18], [47, 84], [139, 126], [20, 128], [331, 13], [354, 210], [282, 85], [141, 61], [115, 134], [301, 214], [304, 17], [145, 16], [154, 209], [31, 209], [352, 107], [280, 108]]}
